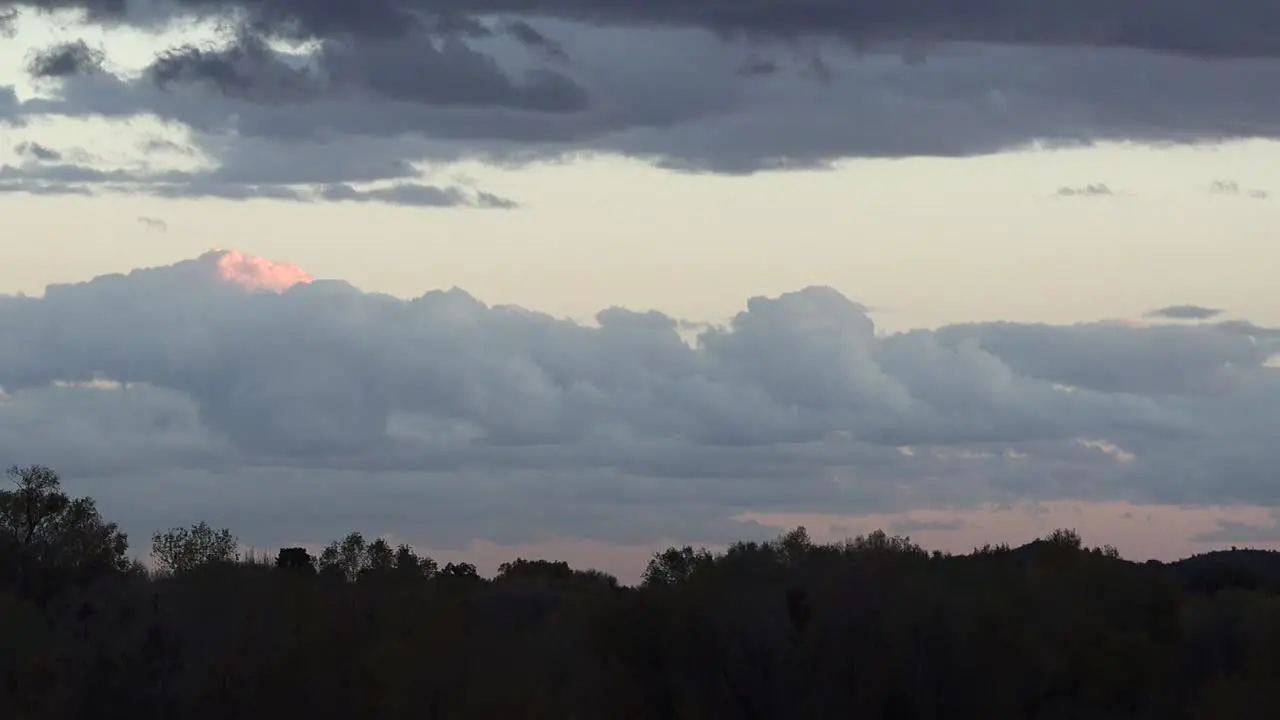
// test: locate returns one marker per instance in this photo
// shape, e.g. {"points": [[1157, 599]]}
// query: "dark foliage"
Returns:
{"points": [[874, 627]]}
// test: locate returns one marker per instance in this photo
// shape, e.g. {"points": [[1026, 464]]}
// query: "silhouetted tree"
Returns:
{"points": [[49, 541], [346, 558], [871, 627], [408, 564], [295, 558], [674, 566], [183, 549], [462, 570]]}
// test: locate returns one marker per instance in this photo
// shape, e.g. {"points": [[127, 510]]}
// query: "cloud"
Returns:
{"points": [[1229, 531], [689, 109], [1201, 28], [153, 223], [417, 195], [1090, 190], [532, 38], [66, 59], [906, 526], [36, 151], [411, 69], [68, 179], [246, 390], [1184, 312], [771, 87], [1231, 187]]}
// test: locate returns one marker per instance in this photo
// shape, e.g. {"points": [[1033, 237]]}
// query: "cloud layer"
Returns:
{"points": [[1201, 28], [252, 392], [697, 87]]}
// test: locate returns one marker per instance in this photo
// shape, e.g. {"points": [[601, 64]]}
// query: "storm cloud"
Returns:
{"points": [[229, 386], [1200, 28], [692, 87]]}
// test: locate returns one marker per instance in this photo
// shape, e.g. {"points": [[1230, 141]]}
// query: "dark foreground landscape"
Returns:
{"points": [[873, 627]]}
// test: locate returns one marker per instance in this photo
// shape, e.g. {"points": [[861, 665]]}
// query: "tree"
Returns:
{"points": [[295, 558], [40, 525], [180, 549], [1065, 538], [345, 557], [535, 569], [462, 570], [379, 556], [409, 564], [674, 566]]}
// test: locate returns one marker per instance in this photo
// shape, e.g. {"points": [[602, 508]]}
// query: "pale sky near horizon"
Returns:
{"points": [[922, 241], [1147, 439]]}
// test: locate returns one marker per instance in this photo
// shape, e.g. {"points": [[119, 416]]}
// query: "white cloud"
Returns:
{"points": [[297, 415]]}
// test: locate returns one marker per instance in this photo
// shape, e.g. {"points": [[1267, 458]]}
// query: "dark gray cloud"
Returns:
{"points": [[1185, 312], [758, 65], [66, 59], [532, 38], [416, 69], [10, 107], [1198, 28], [36, 151], [453, 419], [1090, 190], [448, 80], [688, 108]]}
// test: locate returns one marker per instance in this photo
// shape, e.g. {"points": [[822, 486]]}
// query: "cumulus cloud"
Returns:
{"points": [[1184, 312], [248, 390]]}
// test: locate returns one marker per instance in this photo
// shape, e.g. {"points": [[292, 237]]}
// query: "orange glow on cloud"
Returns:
{"points": [[256, 273]]}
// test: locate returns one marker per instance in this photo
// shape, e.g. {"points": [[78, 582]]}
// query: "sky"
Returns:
{"points": [[585, 278]]}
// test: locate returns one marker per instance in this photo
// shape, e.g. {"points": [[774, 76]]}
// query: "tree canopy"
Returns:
{"points": [[183, 549], [870, 627]]}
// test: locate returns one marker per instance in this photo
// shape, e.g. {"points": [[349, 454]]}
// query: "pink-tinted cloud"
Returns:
{"points": [[255, 273]]}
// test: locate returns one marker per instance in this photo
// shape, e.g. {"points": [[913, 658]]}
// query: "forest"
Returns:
{"points": [[873, 627]]}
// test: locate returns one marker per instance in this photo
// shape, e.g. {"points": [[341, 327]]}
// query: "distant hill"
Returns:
{"points": [[1249, 569]]}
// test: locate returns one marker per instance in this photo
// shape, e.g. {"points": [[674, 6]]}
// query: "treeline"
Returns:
{"points": [[873, 627]]}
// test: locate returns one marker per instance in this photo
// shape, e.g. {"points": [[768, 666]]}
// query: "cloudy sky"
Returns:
{"points": [[586, 277]]}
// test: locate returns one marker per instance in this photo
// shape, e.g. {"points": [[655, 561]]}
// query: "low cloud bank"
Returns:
{"points": [[230, 386]]}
